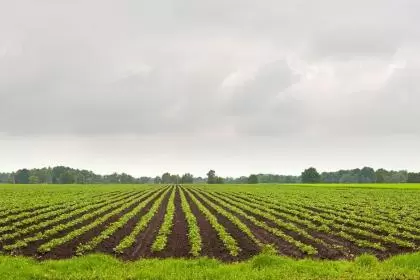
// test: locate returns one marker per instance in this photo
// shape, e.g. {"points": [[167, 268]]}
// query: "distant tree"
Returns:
{"points": [[349, 178], [79, 178], [166, 178], [367, 175], [127, 179], [211, 177], [310, 175], [33, 179], [413, 177], [187, 178], [145, 180], [330, 177], [175, 179], [253, 179], [67, 177], [199, 180], [381, 175], [57, 173], [157, 180], [219, 180], [391, 176], [398, 177], [22, 176], [114, 178], [5, 177], [11, 179]]}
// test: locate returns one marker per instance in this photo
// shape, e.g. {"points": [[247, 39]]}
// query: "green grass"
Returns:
{"points": [[264, 266]]}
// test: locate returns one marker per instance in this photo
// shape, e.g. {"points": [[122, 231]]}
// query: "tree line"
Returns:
{"points": [[67, 175], [359, 176]]}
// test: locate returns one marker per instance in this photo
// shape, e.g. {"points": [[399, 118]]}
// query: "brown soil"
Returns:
{"points": [[324, 252], [68, 249], [350, 249], [11, 241], [108, 245], [178, 243], [212, 246], [283, 247], [111, 198], [248, 247], [145, 239]]}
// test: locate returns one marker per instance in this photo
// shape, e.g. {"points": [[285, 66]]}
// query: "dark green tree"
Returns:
{"points": [[211, 177], [22, 176], [187, 178], [381, 175], [253, 179], [166, 178], [175, 179], [145, 180], [157, 180], [311, 175], [67, 177], [33, 179], [367, 175], [220, 180], [413, 177]]}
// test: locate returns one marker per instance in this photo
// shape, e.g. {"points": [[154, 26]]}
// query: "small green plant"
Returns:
{"points": [[366, 261]]}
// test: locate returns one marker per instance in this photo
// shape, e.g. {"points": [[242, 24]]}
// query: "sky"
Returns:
{"points": [[237, 86]]}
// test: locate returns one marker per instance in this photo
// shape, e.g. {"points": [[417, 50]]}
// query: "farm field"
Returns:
{"points": [[225, 222]]}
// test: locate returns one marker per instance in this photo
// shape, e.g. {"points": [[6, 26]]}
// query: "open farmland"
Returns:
{"points": [[227, 222]]}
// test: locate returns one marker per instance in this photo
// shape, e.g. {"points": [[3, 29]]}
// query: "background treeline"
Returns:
{"points": [[67, 175], [367, 175]]}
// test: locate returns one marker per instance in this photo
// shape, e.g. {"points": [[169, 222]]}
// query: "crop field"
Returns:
{"points": [[226, 222]]}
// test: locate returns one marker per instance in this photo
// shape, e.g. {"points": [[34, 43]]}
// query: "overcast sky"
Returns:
{"points": [[185, 85]]}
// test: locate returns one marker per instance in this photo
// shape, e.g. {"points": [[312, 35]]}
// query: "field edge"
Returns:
{"points": [[263, 266]]}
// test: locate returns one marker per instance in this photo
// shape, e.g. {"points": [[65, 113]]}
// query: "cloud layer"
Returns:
{"points": [[237, 70]]}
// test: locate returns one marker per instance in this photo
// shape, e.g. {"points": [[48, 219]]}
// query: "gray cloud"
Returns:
{"points": [[323, 70]]}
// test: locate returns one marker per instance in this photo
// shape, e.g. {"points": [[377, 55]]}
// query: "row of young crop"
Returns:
{"points": [[67, 207], [233, 210], [231, 217], [312, 221], [23, 206], [50, 232], [302, 220], [229, 242], [34, 224], [256, 216], [88, 220], [128, 204], [76, 218], [391, 207], [194, 235], [288, 218], [162, 238], [113, 227], [372, 223], [33, 210], [361, 212], [388, 232], [141, 225], [232, 213], [328, 223]]}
